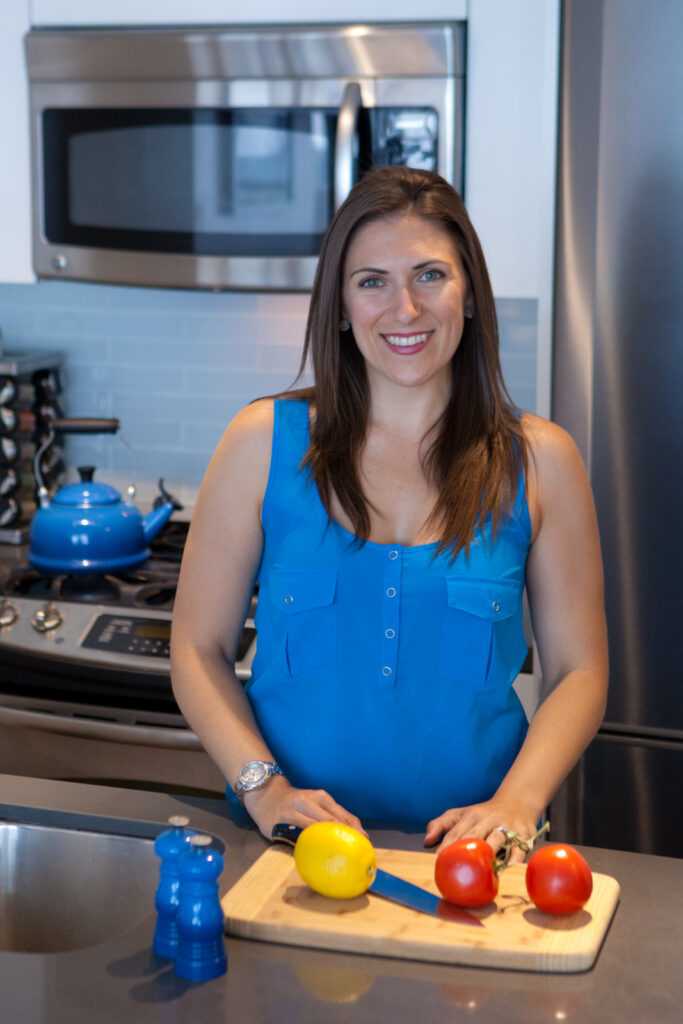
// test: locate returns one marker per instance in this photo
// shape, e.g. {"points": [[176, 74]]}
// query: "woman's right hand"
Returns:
{"points": [[279, 801]]}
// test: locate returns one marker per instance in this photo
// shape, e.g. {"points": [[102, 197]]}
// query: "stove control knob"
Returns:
{"points": [[46, 618], [8, 614]]}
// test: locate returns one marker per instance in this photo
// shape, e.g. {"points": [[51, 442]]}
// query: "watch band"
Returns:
{"points": [[254, 775]]}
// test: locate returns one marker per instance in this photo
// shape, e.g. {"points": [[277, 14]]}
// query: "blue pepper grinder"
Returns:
{"points": [[201, 947], [168, 846]]}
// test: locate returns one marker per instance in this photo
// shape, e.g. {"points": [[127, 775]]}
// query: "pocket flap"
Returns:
{"points": [[299, 590], [491, 599]]}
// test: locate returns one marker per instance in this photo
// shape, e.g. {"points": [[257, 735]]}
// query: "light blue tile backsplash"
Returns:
{"points": [[175, 366]]}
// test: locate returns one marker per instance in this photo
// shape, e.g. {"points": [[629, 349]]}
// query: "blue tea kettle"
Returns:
{"points": [[87, 527]]}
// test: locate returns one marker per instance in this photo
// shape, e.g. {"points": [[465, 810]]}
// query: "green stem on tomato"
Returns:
{"points": [[514, 840]]}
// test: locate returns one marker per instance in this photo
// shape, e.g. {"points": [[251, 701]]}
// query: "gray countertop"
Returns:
{"points": [[637, 976]]}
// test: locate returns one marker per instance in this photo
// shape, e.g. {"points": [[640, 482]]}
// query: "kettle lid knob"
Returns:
{"points": [[86, 474]]}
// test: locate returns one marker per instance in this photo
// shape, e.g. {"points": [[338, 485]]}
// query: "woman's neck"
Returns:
{"points": [[408, 414]]}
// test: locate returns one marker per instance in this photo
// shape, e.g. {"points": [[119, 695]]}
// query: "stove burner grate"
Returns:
{"points": [[169, 544], [151, 585], [93, 589], [139, 590]]}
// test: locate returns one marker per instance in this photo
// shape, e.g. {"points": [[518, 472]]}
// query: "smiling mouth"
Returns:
{"points": [[407, 340]]}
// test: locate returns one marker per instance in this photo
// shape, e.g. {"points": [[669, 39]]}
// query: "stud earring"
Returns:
{"points": [[469, 312], [344, 324]]}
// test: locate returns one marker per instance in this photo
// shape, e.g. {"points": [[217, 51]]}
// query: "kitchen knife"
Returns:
{"points": [[397, 889]]}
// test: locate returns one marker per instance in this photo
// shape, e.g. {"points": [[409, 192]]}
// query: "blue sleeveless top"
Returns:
{"points": [[383, 673]]}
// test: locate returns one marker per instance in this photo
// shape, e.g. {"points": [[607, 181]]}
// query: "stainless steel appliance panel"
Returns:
{"points": [[618, 379], [272, 51], [274, 69], [630, 792], [85, 687]]}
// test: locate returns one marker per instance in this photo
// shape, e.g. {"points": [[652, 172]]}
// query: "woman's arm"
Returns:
{"points": [[565, 589], [220, 562]]}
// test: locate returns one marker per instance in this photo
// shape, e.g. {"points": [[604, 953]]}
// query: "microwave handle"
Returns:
{"points": [[346, 142]]}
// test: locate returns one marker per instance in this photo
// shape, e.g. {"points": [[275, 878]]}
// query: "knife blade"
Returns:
{"points": [[391, 887]]}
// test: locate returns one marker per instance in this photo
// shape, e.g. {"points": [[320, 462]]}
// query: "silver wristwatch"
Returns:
{"points": [[253, 775]]}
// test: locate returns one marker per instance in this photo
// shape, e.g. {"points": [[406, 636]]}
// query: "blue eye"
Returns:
{"points": [[432, 275], [371, 282]]}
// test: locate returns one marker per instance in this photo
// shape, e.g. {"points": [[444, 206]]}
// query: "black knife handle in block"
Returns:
{"points": [[286, 833], [84, 425]]}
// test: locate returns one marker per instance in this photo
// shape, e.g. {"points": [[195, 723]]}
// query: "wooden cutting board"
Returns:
{"points": [[270, 902]]}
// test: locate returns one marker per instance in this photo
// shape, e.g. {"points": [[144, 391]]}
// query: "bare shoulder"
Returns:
{"points": [[552, 449], [253, 424], [556, 470], [242, 457], [249, 434]]}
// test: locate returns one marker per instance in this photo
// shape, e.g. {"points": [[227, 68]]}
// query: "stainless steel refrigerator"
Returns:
{"points": [[618, 389]]}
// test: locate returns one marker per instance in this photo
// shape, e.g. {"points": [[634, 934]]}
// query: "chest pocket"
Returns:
{"points": [[482, 638], [303, 608]]}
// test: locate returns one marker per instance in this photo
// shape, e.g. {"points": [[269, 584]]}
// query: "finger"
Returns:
{"points": [[340, 813], [517, 856], [438, 826], [466, 827], [471, 826], [305, 803], [290, 817], [496, 836], [451, 836], [319, 806]]}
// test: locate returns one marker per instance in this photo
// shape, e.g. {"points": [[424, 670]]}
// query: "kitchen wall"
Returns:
{"points": [[175, 366]]}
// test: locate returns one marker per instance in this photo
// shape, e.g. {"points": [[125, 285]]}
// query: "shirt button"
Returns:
{"points": [[393, 555], [495, 606], [289, 599], [386, 671], [390, 591], [390, 633]]}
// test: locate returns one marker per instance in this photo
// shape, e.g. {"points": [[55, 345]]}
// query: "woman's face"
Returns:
{"points": [[404, 290]]}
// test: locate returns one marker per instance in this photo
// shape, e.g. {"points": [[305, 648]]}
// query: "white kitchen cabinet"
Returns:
{"points": [[229, 12], [15, 191]]}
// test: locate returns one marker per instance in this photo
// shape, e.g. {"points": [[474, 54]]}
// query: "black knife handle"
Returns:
{"points": [[286, 833]]}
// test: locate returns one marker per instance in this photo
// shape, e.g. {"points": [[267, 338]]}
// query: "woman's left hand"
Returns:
{"points": [[483, 821]]}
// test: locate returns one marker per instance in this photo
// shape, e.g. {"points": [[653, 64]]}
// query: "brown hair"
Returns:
{"points": [[479, 449]]}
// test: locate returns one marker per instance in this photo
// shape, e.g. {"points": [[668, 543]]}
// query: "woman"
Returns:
{"points": [[392, 515]]}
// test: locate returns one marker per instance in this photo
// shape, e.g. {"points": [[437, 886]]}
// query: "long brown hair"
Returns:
{"points": [[479, 449]]}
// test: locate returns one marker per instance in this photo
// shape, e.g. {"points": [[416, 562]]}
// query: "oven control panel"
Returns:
{"points": [[128, 634], [83, 634]]}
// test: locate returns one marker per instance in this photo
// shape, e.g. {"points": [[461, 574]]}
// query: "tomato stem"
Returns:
{"points": [[513, 840]]}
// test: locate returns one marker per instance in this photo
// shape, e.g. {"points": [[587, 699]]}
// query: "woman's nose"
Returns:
{"points": [[407, 307]]}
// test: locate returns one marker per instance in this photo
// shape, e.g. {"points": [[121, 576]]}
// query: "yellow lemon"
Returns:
{"points": [[335, 860]]}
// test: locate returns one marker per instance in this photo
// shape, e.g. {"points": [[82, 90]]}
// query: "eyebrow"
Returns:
{"points": [[377, 270], [368, 270]]}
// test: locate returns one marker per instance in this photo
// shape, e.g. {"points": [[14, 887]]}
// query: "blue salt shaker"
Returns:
{"points": [[168, 846], [201, 946]]}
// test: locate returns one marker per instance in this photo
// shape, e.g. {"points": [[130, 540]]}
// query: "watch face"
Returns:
{"points": [[253, 773]]}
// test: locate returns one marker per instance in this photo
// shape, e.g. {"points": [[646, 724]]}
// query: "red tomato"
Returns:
{"points": [[464, 873], [558, 879]]}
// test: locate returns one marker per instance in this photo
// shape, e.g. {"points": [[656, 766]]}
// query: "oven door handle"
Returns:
{"points": [[97, 729], [346, 142]]}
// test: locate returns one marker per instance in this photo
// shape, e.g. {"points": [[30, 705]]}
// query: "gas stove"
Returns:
{"points": [[102, 638], [85, 680]]}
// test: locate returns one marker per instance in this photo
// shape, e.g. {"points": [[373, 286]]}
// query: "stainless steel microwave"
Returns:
{"points": [[216, 157]]}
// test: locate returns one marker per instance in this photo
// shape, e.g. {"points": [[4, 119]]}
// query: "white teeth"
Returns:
{"points": [[400, 341]]}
